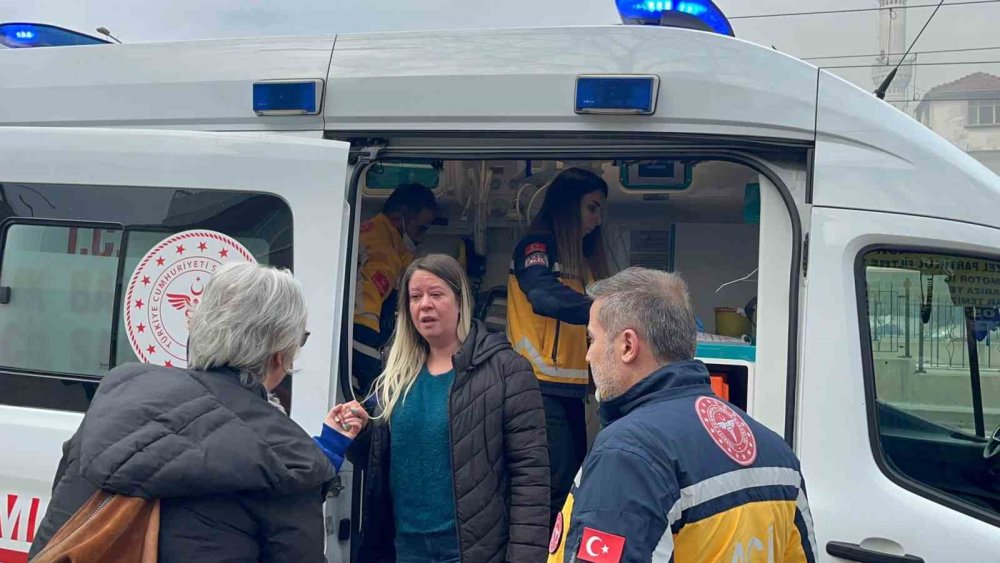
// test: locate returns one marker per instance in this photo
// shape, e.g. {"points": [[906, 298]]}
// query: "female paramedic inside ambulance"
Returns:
{"points": [[547, 312]]}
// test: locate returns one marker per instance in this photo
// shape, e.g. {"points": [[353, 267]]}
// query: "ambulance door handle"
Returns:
{"points": [[854, 552]]}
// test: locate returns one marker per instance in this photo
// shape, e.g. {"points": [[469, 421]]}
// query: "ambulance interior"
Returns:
{"points": [[699, 218]]}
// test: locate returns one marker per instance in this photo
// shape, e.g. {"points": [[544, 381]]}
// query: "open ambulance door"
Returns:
{"points": [[900, 393], [79, 211]]}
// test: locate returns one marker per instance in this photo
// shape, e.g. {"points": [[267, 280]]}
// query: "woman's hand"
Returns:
{"points": [[348, 419]]}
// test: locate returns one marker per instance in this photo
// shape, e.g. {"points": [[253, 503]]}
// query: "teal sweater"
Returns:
{"points": [[420, 474]]}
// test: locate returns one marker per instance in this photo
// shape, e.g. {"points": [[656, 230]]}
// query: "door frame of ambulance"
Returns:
{"points": [[775, 400], [889, 513], [308, 174]]}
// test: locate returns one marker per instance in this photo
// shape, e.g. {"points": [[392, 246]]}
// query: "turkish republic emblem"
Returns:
{"points": [[166, 287], [728, 430]]}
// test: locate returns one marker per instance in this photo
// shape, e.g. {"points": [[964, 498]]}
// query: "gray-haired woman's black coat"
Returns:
{"points": [[237, 479], [499, 458]]}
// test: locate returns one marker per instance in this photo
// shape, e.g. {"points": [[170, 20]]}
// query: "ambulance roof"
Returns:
{"points": [[509, 79], [512, 80]]}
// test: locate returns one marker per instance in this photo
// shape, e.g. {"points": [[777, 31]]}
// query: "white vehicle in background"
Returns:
{"points": [[724, 158]]}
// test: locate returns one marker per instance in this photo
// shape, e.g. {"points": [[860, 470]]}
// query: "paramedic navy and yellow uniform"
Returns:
{"points": [[547, 317], [678, 475], [383, 257]]}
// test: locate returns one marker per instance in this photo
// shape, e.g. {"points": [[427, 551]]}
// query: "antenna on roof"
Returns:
{"points": [[104, 31], [880, 92]]}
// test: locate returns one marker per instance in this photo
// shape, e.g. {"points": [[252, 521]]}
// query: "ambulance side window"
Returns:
{"points": [[67, 255], [57, 294], [933, 372]]}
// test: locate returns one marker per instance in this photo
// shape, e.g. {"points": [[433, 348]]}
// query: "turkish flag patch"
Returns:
{"points": [[381, 283], [600, 547]]}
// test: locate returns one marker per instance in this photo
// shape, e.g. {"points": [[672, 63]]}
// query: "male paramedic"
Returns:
{"points": [[676, 474], [387, 245]]}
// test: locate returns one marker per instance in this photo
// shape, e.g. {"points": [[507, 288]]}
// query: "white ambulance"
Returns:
{"points": [[867, 245]]}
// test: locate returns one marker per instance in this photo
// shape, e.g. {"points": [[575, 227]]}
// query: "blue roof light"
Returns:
{"points": [[21, 35], [696, 14], [287, 97], [617, 94]]}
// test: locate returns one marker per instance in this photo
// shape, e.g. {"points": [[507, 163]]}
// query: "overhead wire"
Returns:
{"points": [[858, 10]]}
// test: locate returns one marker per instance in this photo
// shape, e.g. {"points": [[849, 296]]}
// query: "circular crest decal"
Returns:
{"points": [[166, 287], [557, 531], [729, 431]]}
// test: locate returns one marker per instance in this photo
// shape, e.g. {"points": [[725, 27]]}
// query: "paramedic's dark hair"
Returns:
{"points": [[655, 304], [410, 200], [560, 216]]}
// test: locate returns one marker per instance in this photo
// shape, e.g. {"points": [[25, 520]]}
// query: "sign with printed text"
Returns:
{"points": [[165, 288], [20, 516], [971, 282]]}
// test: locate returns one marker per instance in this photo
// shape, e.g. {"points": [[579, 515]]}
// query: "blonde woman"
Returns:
{"points": [[456, 459]]}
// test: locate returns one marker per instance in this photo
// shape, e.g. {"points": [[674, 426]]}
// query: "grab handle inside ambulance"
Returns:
{"points": [[855, 552], [4, 294]]}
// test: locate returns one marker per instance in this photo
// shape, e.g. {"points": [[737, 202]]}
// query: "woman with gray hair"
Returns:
{"points": [[236, 478]]}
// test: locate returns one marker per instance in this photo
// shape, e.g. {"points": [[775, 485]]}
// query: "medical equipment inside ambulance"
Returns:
{"points": [[699, 218]]}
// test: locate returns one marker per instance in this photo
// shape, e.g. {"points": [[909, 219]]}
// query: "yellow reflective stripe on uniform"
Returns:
{"points": [[721, 485], [528, 350], [559, 555]]}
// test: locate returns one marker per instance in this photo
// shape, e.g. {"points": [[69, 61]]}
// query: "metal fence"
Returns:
{"points": [[896, 324]]}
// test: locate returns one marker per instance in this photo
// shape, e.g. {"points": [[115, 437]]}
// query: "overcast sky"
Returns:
{"points": [[804, 36]]}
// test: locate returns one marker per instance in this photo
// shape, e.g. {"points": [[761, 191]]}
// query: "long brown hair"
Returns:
{"points": [[408, 352], [560, 216]]}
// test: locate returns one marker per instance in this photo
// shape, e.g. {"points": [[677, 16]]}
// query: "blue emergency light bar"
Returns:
{"points": [[617, 94], [287, 97], [19, 35], [694, 14]]}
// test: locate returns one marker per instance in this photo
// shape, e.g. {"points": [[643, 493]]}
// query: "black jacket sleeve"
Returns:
{"points": [[527, 454], [534, 268], [622, 495]]}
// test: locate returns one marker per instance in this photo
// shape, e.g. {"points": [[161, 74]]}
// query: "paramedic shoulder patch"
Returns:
{"points": [[537, 259], [557, 531], [166, 287], [600, 547], [728, 430], [382, 283], [533, 248]]}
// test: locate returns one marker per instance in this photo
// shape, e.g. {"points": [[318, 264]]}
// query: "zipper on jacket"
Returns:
{"points": [[555, 345], [451, 451], [51, 545], [104, 503]]}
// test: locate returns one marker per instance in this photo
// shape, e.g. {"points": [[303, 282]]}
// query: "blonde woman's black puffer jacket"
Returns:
{"points": [[499, 458]]}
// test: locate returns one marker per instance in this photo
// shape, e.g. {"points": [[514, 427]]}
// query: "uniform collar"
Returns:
{"points": [[677, 379]]}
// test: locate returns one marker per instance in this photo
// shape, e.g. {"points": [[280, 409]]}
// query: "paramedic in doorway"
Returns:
{"points": [[387, 245], [456, 465], [237, 479], [547, 312], [676, 474]]}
